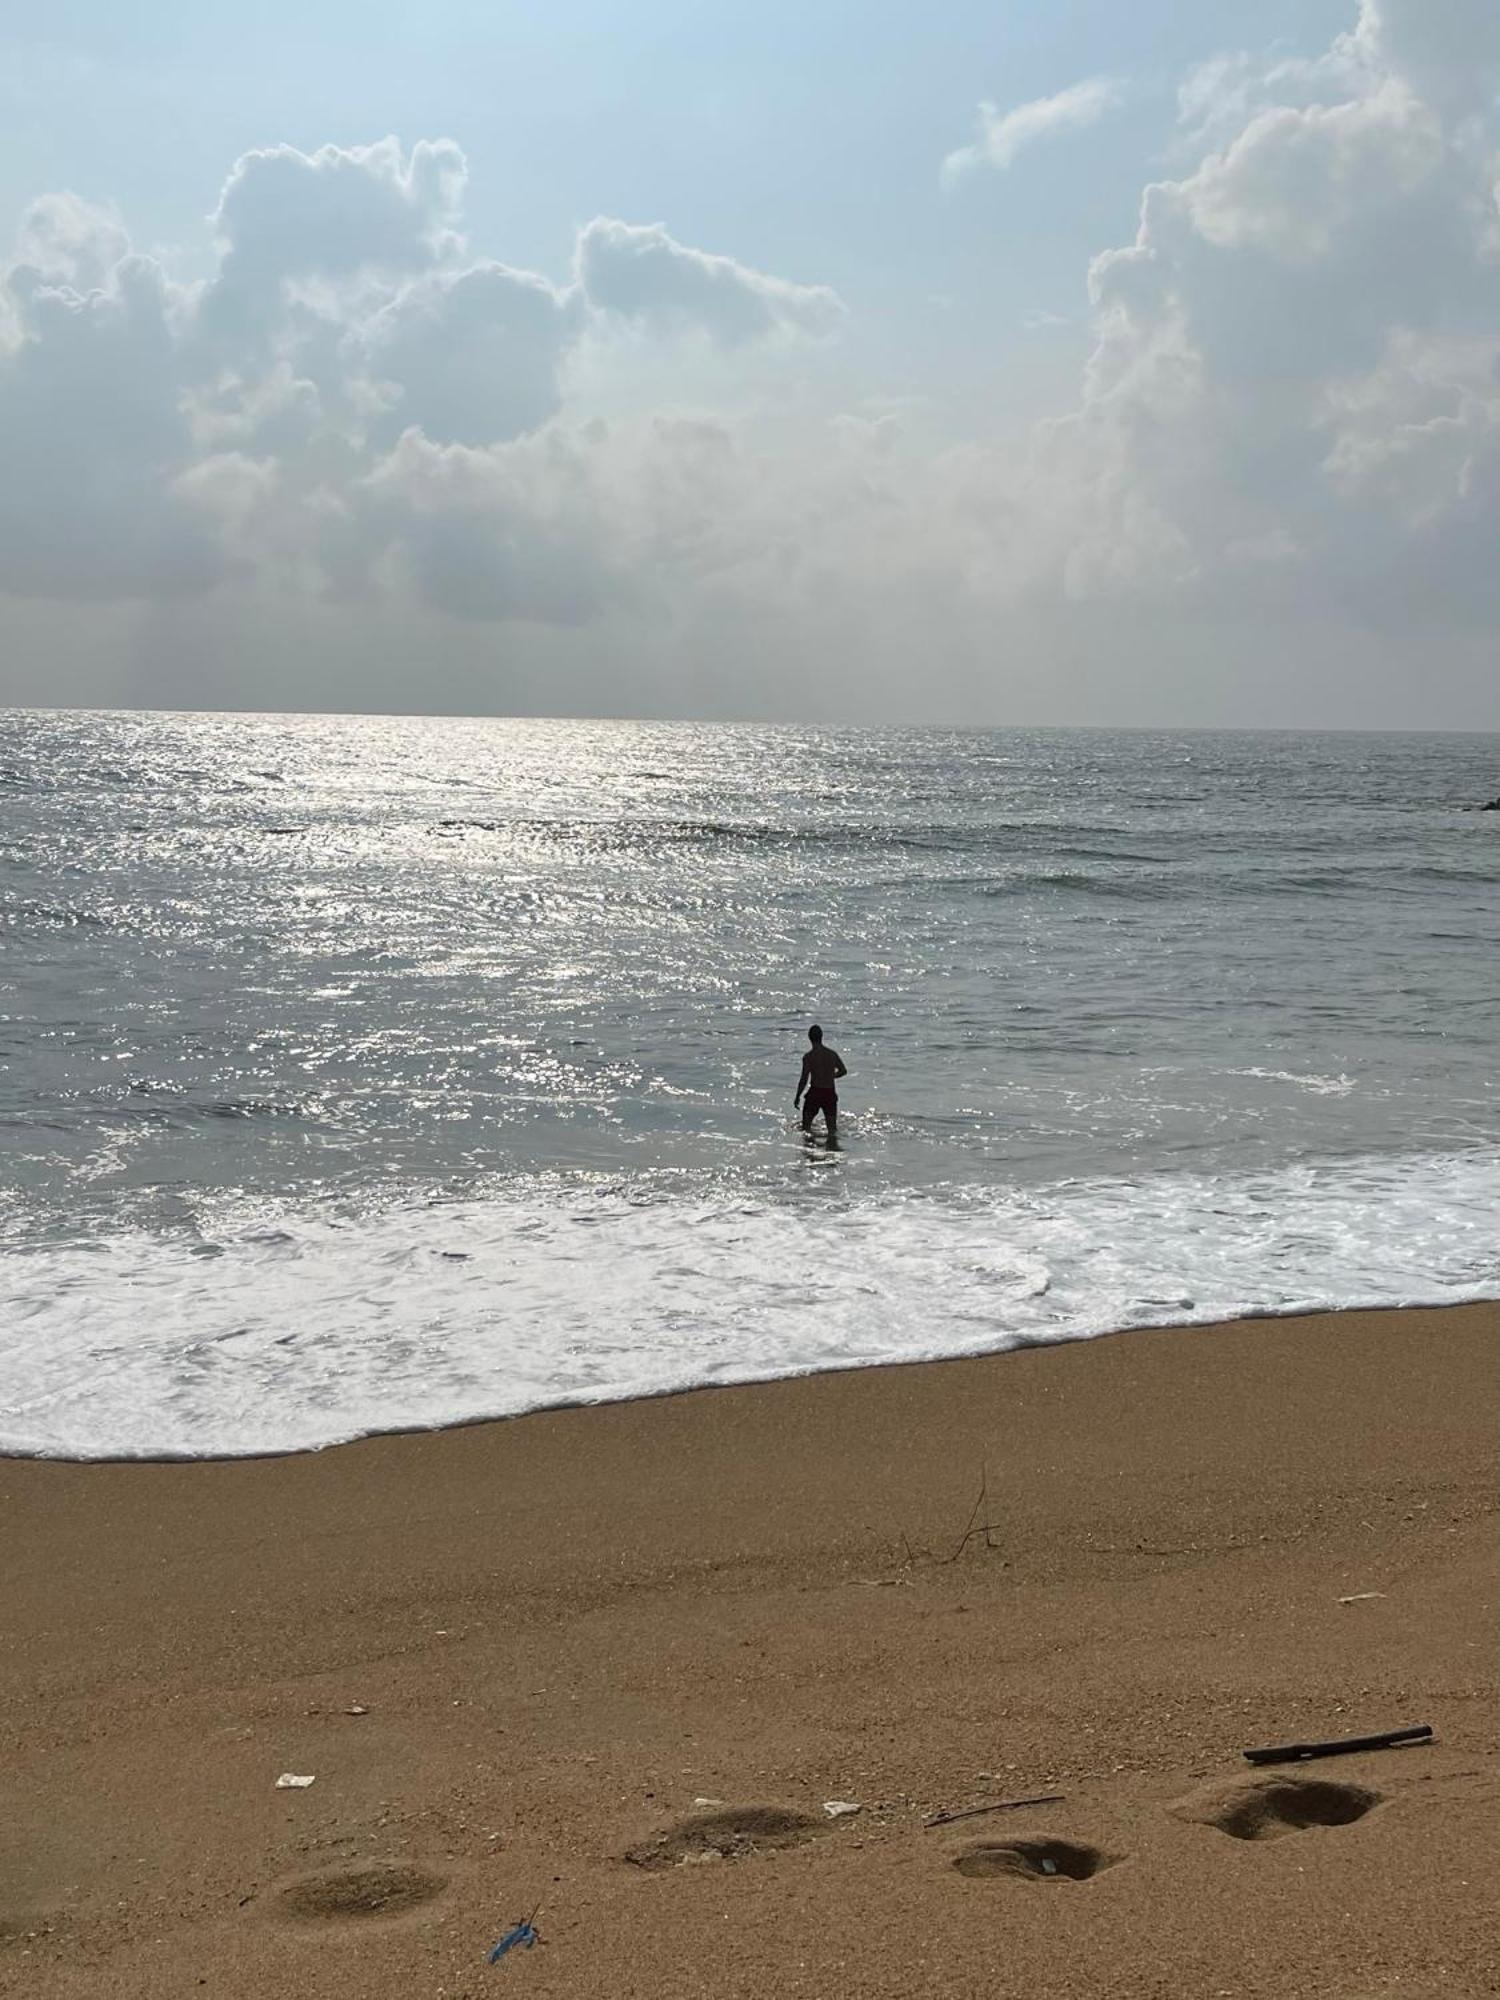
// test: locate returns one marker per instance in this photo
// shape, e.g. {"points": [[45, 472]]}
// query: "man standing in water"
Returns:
{"points": [[821, 1070]]}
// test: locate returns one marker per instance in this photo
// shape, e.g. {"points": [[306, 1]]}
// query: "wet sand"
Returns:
{"points": [[514, 1654]]}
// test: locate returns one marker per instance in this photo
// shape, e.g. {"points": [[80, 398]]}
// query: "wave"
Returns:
{"points": [[1437, 871], [1320, 1086], [155, 1105], [303, 1329], [51, 916], [1041, 855], [621, 833], [1133, 888]]}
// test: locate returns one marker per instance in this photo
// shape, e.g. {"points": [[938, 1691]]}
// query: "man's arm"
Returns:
{"points": [[802, 1082], [838, 1066]]}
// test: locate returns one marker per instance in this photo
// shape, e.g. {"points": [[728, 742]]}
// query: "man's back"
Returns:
{"points": [[823, 1067]]}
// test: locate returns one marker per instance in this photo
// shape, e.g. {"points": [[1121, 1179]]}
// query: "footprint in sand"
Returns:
{"points": [[1267, 1808], [1034, 1860], [379, 1889], [731, 1835]]}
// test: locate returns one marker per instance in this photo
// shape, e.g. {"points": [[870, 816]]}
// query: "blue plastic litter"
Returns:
{"points": [[522, 1936]]}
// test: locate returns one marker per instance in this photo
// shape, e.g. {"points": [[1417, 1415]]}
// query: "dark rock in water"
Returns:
{"points": [[1492, 807]]}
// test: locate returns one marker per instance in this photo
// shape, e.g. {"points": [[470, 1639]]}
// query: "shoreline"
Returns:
{"points": [[1258, 1316], [511, 1651]]}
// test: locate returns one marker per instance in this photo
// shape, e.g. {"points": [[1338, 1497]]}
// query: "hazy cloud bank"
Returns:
{"points": [[1292, 408]]}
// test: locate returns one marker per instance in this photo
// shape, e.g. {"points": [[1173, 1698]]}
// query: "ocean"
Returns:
{"points": [[361, 1074]]}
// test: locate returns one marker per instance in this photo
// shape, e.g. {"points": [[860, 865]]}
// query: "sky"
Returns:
{"points": [[1007, 363]]}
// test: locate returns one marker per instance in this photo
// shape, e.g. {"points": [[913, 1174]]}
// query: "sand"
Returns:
{"points": [[510, 1656]]}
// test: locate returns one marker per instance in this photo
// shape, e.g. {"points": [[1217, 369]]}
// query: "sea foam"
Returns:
{"points": [[298, 1330]]}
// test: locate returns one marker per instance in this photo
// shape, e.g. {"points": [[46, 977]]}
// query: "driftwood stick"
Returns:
{"points": [[1295, 1753], [1005, 1805], [974, 1527]]}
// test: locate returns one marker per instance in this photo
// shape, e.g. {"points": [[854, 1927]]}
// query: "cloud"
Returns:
{"points": [[1284, 448], [509, 533], [642, 275], [1307, 186], [352, 401], [1292, 411], [1449, 50], [92, 432], [334, 215], [1005, 135], [473, 355], [340, 210], [71, 242]]}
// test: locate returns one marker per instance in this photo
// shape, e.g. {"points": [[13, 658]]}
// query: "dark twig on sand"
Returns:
{"points": [[1004, 1805], [975, 1527], [1295, 1753]]}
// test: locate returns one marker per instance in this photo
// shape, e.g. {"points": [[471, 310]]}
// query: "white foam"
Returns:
{"points": [[1320, 1086], [304, 1330]]}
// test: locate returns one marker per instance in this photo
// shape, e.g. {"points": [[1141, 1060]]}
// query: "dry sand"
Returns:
{"points": [[513, 1653]]}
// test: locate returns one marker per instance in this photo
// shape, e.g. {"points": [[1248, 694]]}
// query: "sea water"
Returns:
{"points": [[363, 1073]]}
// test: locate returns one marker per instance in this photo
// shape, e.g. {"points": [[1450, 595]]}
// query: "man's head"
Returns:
{"points": [[815, 1034]]}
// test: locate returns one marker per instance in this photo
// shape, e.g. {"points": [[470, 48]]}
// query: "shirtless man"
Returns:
{"points": [[821, 1069]]}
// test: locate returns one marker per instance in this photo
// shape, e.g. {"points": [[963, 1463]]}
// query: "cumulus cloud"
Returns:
{"points": [[510, 533], [92, 432], [333, 215], [1449, 50], [472, 355], [1290, 414], [71, 242], [641, 274], [1296, 371], [351, 399], [1005, 135]]}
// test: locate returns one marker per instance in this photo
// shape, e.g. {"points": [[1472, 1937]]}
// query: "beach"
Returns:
{"points": [[512, 1655], [749, 1066]]}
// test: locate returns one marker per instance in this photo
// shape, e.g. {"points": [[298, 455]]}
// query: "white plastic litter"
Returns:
{"points": [[840, 1808], [1361, 1597], [707, 1805], [289, 1781]]}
